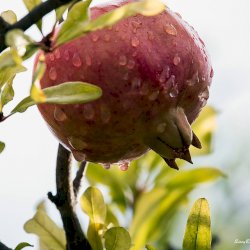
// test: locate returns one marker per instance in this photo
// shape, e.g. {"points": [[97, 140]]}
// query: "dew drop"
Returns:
{"points": [[131, 64], [123, 166], [136, 83], [161, 127], [66, 55], [196, 78], [126, 76], [52, 57], [135, 41], [52, 74], [88, 60], [88, 112], [76, 60], [212, 73], [59, 115], [150, 35], [164, 74], [57, 54], [174, 92], [144, 89], [95, 37], [204, 95], [170, 29], [122, 60], [176, 60], [105, 113], [153, 96], [106, 166], [106, 37], [77, 143]]}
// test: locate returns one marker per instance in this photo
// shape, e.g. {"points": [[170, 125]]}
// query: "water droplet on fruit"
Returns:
{"points": [[153, 96], [77, 143], [203, 96], [106, 37], [135, 41], [170, 29], [196, 78], [51, 57], [150, 35], [176, 60], [173, 92], [126, 76], [164, 74], [105, 113], [144, 89], [88, 112], [52, 74], [106, 166], [88, 60], [123, 166], [136, 83], [174, 87], [94, 37], [59, 115], [131, 64], [161, 127], [57, 54], [66, 55], [212, 73], [122, 60], [76, 60]]}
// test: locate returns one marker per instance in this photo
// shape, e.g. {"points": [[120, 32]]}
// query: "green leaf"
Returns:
{"points": [[48, 232], [36, 93], [18, 40], [93, 205], [9, 16], [117, 238], [150, 211], [2, 146], [77, 17], [31, 4], [94, 237], [111, 218], [65, 93], [7, 94], [146, 7], [204, 127], [60, 11], [198, 230], [193, 177], [150, 247], [22, 245]]}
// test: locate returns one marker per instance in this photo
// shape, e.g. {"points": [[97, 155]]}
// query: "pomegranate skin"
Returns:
{"points": [[155, 75]]}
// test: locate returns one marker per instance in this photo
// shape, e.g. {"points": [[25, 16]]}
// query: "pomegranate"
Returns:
{"points": [[155, 75]]}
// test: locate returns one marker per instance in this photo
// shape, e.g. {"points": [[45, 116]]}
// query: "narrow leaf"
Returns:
{"points": [[93, 205], [65, 93], [198, 230], [146, 7], [48, 232], [22, 245], [61, 10], [117, 238], [150, 247], [2, 146], [77, 16], [193, 177], [7, 93], [18, 40], [93, 236], [9, 16]]}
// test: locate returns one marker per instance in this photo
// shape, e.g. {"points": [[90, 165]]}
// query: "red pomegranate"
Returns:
{"points": [[155, 75]]}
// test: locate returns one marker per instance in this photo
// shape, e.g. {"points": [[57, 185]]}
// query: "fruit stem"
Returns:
{"points": [[65, 200]]}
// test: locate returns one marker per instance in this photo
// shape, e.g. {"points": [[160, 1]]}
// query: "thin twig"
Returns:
{"points": [[3, 247], [30, 19], [65, 202], [78, 179]]}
